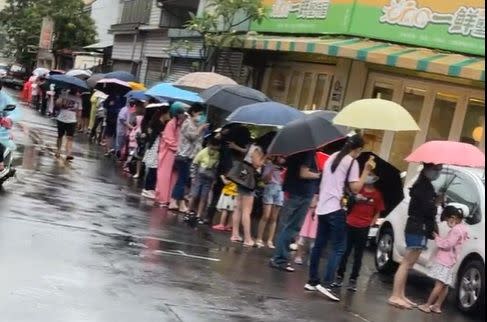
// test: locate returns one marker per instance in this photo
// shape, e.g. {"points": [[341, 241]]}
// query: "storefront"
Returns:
{"points": [[443, 91]]}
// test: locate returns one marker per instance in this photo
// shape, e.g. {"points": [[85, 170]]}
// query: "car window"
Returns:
{"points": [[461, 190]]}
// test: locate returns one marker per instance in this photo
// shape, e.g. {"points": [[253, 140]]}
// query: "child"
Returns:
{"points": [[308, 231], [273, 198], [205, 162], [449, 248], [364, 214], [226, 204]]}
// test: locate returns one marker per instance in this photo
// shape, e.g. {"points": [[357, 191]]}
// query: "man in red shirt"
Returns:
{"points": [[369, 204]]}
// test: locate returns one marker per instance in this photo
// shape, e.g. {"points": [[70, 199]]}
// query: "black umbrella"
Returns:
{"points": [[329, 116], [305, 134], [68, 82], [231, 97], [121, 75], [390, 182], [112, 86]]}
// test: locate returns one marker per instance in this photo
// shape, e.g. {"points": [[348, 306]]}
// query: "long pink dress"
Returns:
{"points": [[166, 176]]}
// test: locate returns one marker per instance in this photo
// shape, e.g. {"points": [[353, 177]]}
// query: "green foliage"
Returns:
{"points": [[22, 20], [219, 23]]}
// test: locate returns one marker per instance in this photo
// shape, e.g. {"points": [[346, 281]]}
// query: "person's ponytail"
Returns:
{"points": [[354, 142]]}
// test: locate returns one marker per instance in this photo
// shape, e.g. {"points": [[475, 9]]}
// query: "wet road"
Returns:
{"points": [[78, 244]]}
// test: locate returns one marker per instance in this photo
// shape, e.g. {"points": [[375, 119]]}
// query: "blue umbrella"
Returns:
{"points": [[71, 82], [265, 114], [170, 92], [137, 95], [121, 75]]}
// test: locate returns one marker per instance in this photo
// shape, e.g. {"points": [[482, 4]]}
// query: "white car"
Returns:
{"points": [[466, 189]]}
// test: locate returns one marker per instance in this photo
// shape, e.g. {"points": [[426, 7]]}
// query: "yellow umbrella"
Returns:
{"points": [[376, 114], [137, 86]]}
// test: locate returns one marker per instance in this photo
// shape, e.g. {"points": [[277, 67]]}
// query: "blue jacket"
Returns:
{"points": [[14, 115]]}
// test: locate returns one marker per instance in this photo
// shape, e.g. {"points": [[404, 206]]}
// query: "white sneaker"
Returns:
{"points": [[327, 292], [148, 194], [310, 288]]}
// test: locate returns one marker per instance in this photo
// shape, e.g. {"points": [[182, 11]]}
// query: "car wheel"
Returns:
{"points": [[470, 292], [383, 252]]}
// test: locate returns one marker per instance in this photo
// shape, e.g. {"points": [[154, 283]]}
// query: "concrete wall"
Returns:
{"points": [[105, 13]]}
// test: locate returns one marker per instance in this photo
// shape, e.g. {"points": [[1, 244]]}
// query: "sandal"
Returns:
{"points": [[435, 310], [236, 239], [397, 305], [424, 308], [250, 245]]}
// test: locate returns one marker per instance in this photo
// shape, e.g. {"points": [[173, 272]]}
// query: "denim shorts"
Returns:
{"points": [[201, 187], [273, 195], [414, 241]]}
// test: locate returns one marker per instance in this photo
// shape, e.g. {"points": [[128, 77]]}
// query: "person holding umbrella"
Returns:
{"points": [[420, 226], [70, 105], [113, 104]]}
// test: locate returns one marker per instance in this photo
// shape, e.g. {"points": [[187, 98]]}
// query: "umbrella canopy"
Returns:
{"points": [[137, 95], [137, 86], [203, 80], [41, 71], [79, 73], [168, 91], [57, 72], [64, 81], [265, 114], [121, 75], [376, 114], [231, 97], [305, 134], [94, 79], [450, 153], [390, 182], [113, 86], [328, 116]]}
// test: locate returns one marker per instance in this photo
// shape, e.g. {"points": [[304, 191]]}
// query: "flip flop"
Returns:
{"points": [[424, 309], [396, 305], [236, 240], [252, 245], [437, 311]]}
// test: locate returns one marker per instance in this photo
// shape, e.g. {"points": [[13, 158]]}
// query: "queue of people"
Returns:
{"points": [[201, 173]]}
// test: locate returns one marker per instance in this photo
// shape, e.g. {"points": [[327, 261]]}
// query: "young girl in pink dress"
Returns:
{"points": [[166, 176], [307, 234]]}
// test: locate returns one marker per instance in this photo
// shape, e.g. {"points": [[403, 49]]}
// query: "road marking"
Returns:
{"points": [[183, 254]]}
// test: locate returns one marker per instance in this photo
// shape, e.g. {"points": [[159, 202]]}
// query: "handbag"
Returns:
{"points": [[243, 174], [349, 199]]}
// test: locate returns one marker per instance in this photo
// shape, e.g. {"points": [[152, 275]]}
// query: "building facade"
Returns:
{"points": [[426, 55]]}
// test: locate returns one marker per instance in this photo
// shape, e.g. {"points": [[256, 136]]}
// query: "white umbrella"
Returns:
{"points": [[80, 73], [41, 71]]}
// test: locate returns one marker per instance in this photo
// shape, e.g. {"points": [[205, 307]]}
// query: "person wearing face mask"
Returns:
{"points": [[190, 140], [340, 170], [420, 226], [168, 146], [369, 204]]}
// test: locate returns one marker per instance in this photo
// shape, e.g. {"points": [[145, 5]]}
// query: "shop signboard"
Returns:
{"points": [[306, 16], [453, 25]]}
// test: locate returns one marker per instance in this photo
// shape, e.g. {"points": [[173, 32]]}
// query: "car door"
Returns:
{"points": [[461, 189]]}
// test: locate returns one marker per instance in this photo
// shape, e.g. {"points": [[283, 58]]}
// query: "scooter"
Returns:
{"points": [[9, 170]]}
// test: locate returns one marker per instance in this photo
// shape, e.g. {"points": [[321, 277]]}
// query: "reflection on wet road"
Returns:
{"points": [[78, 244]]}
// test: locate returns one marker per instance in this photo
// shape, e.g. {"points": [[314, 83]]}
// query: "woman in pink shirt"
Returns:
{"points": [[449, 248]]}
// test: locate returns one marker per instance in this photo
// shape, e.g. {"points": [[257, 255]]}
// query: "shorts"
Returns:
{"points": [[226, 202], [417, 242], [65, 129], [246, 192], [273, 195], [201, 187], [441, 273]]}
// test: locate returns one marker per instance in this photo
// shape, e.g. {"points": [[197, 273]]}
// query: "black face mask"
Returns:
{"points": [[432, 174]]}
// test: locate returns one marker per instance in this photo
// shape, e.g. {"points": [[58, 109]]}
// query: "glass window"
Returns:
{"points": [[293, 88], [320, 90], [460, 190], [373, 138], [277, 85], [305, 91], [473, 125], [442, 117], [403, 141]]}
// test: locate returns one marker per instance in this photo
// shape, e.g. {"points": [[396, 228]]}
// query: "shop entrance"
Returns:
{"points": [[302, 85], [442, 111]]}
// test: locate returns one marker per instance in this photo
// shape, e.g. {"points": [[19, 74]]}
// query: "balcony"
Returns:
{"points": [[136, 12]]}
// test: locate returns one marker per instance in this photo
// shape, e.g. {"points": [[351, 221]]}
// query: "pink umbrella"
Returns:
{"points": [[448, 152]]}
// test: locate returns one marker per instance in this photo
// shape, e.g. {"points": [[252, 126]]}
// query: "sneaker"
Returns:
{"points": [[338, 282], [328, 293], [298, 261], [282, 267], [260, 244], [310, 287], [149, 194], [218, 227], [352, 286]]}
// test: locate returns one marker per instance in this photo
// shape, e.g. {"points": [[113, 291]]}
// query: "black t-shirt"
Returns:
{"points": [[293, 182]]}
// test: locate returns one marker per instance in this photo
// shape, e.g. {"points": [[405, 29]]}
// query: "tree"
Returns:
{"points": [[220, 26], [73, 26]]}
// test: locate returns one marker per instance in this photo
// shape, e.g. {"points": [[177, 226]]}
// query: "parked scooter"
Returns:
{"points": [[9, 170]]}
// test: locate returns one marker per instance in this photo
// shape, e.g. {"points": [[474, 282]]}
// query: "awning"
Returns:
{"points": [[100, 45], [420, 59]]}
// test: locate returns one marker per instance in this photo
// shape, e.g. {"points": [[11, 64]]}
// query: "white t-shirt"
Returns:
{"points": [[332, 184], [71, 106]]}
